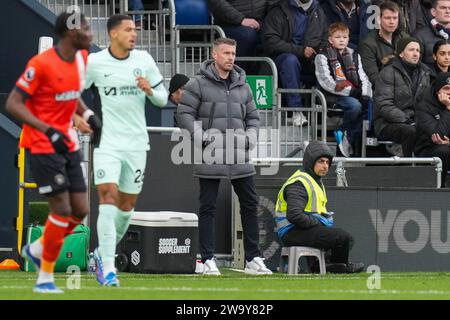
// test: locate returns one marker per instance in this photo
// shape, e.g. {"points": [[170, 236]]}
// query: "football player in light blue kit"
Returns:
{"points": [[124, 78]]}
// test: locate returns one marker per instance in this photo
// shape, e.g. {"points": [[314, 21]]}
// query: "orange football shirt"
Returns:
{"points": [[53, 87]]}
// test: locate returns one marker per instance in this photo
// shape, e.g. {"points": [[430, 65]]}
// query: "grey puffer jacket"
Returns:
{"points": [[395, 98], [208, 100]]}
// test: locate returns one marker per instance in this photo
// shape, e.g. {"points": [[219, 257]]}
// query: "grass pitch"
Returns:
{"points": [[233, 285]]}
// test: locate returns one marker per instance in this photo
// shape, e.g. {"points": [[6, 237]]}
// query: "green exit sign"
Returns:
{"points": [[261, 87]]}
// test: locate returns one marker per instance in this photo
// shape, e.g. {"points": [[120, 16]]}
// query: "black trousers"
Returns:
{"points": [[321, 237], [248, 199], [404, 134]]}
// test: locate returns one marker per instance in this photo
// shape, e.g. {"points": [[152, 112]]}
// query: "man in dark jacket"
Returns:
{"points": [[176, 88], [411, 14], [293, 33], [346, 11], [378, 47], [433, 123], [301, 216], [241, 20], [401, 85], [218, 106], [437, 29]]}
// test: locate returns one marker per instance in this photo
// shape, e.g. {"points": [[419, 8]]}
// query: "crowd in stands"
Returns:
{"points": [[379, 56]]}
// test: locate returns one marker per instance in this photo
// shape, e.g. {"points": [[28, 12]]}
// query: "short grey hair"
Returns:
{"points": [[220, 41]]}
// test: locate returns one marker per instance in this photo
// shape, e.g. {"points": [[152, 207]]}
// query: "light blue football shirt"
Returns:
{"points": [[122, 102]]}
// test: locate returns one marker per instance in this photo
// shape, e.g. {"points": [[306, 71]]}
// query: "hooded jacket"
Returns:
{"points": [[208, 99], [296, 195]]}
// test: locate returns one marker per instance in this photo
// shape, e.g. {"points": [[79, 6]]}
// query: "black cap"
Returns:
{"points": [[177, 81], [443, 79], [403, 43]]}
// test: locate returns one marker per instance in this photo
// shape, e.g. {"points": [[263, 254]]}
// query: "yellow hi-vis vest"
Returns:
{"points": [[317, 200]]}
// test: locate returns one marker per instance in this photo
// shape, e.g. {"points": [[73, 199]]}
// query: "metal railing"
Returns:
{"points": [[189, 55], [155, 34], [97, 13], [341, 179], [291, 135]]}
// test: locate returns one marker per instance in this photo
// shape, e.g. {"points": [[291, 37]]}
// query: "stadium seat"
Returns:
{"points": [[192, 12], [295, 253]]}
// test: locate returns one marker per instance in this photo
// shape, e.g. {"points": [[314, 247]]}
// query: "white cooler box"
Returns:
{"points": [[161, 242]]}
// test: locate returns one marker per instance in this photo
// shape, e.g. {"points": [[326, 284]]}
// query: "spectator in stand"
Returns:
{"points": [[411, 14], [340, 74], [441, 56], [378, 47], [401, 85], [437, 29], [346, 11], [293, 33], [433, 123], [241, 20]]}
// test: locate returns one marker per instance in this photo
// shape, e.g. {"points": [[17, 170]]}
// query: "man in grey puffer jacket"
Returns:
{"points": [[218, 106]]}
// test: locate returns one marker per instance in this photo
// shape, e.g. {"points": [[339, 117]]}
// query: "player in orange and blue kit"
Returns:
{"points": [[45, 99]]}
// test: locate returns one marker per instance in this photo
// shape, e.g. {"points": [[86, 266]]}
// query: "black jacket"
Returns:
{"points": [[278, 31], [434, 72], [375, 52], [295, 194], [431, 117], [232, 12], [395, 98]]}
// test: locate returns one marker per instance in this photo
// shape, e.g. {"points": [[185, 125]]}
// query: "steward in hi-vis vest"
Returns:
{"points": [[301, 214]]}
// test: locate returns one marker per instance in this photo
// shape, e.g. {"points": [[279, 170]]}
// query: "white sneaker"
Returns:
{"points": [[395, 149], [199, 266], [257, 266], [299, 119], [210, 268]]}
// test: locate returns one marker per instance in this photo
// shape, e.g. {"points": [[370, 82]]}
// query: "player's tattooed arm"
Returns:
{"points": [[15, 105]]}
